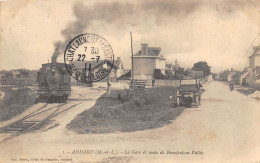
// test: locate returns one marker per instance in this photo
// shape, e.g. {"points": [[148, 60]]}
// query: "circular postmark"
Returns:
{"points": [[89, 58]]}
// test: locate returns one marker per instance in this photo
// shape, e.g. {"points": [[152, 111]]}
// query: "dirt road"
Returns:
{"points": [[224, 129]]}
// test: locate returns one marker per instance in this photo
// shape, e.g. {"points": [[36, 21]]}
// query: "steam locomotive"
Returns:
{"points": [[54, 83]]}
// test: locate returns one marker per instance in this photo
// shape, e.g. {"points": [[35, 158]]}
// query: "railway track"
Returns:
{"points": [[35, 120]]}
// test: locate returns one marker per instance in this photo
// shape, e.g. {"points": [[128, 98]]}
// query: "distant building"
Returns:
{"points": [[223, 75], [253, 77], [172, 67], [231, 74], [243, 77], [169, 66], [228, 74], [120, 67], [16, 73], [254, 59], [147, 60], [197, 74], [236, 78], [116, 71]]}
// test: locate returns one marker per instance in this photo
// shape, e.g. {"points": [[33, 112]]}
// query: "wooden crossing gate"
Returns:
{"points": [[139, 84]]}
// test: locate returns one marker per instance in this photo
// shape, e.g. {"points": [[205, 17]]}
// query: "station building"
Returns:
{"points": [[146, 60]]}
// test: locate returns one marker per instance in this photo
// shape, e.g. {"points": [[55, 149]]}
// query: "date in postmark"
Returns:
{"points": [[89, 58]]}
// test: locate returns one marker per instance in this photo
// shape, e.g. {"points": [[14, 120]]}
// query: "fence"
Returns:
{"points": [[18, 81], [158, 82]]}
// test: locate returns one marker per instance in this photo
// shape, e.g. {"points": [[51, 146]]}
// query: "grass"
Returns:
{"points": [[15, 102], [123, 111]]}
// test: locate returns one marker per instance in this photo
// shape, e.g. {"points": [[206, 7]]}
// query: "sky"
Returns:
{"points": [[219, 32]]}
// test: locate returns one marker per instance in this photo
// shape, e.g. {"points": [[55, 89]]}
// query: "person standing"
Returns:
{"points": [[108, 86], [231, 86], [153, 82]]}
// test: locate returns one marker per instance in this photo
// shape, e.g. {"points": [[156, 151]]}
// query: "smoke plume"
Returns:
{"points": [[119, 13]]}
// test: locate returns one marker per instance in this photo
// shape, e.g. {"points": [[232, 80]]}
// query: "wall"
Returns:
{"points": [[257, 60], [143, 67], [172, 83], [253, 82], [160, 64], [251, 61]]}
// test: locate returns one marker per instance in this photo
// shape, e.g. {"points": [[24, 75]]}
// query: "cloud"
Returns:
{"points": [[119, 13], [218, 31]]}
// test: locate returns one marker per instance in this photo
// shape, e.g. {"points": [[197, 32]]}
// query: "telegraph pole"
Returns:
{"points": [[259, 23], [132, 70]]}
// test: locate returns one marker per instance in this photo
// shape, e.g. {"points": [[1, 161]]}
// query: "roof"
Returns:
{"points": [[152, 51], [255, 51]]}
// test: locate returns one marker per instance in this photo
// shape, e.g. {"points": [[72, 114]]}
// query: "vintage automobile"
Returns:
{"points": [[188, 93]]}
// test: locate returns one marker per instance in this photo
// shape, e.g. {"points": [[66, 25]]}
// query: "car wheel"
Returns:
{"points": [[178, 101], [197, 101]]}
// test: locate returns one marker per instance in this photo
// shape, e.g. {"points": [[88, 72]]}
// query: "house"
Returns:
{"points": [[254, 69], [254, 59], [223, 75], [146, 61], [236, 78], [16, 74], [172, 67], [227, 75], [242, 79], [243, 76], [120, 67], [230, 74], [116, 71], [169, 67], [197, 74]]}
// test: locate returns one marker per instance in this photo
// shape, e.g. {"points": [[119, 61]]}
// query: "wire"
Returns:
{"points": [[251, 45], [252, 2], [247, 50]]}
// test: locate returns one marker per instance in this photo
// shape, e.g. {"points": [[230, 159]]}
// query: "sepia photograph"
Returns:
{"points": [[122, 81]]}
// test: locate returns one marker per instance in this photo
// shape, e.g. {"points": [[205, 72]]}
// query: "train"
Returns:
{"points": [[54, 82]]}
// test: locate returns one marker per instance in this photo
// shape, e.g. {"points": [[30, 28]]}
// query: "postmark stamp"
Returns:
{"points": [[89, 58]]}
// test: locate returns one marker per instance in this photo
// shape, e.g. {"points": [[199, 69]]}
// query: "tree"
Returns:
{"points": [[158, 74], [169, 74], [24, 73], [202, 66], [8, 74], [187, 72]]}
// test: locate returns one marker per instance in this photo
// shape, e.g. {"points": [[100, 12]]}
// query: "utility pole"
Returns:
{"points": [[259, 23], [132, 71]]}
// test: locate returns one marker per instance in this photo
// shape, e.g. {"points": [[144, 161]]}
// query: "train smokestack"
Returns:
{"points": [[53, 59]]}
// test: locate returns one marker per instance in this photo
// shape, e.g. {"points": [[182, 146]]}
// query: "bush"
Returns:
{"points": [[158, 74]]}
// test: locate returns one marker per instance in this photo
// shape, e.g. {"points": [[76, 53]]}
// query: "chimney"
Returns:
{"points": [[144, 49]]}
